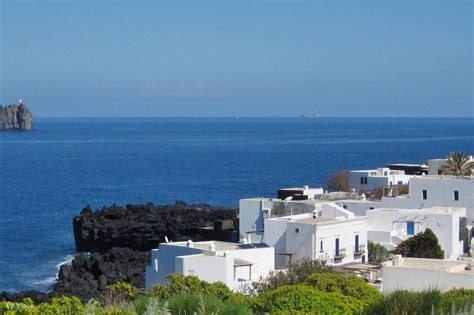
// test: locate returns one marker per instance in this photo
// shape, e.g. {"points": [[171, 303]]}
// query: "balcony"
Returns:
{"points": [[359, 251], [340, 255]]}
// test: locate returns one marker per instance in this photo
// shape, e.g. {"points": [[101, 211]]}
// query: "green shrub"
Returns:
{"points": [[302, 298], [61, 305], [377, 253], [180, 285], [12, 308], [408, 302], [123, 289], [458, 300], [193, 303], [296, 273], [344, 284]]}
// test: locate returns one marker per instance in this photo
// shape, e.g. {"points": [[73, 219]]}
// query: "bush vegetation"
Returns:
{"points": [[377, 253], [422, 245], [338, 181], [307, 288]]}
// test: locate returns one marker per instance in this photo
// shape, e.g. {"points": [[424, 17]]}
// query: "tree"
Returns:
{"points": [[377, 253], [458, 163], [422, 245], [338, 181]]}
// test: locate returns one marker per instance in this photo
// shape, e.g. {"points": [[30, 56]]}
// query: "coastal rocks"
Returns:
{"points": [[120, 240], [35, 296], [15, 117], [89, 274], [143, 227]]}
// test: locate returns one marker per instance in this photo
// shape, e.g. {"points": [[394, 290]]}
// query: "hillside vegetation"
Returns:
{"points": [[322, 291]]}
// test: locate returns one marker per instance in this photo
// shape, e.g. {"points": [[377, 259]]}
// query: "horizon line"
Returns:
{"points": [[236, 117]]}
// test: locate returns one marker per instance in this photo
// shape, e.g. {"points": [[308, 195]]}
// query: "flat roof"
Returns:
{"points": [[314, 220], [441, 177], [407, 164], [439, 210], [219, 246], [438, 264], [300, 188], [357, 201]]}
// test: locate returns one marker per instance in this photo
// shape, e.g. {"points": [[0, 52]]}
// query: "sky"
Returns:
{"points": [[247, 58]]}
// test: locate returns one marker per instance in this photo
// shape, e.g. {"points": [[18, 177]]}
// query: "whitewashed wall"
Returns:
{"points": [[424, 278], [165, 256], [440, 192], [383, 223]]}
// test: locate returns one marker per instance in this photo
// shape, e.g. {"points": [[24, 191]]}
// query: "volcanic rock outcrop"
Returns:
{"points": [[15, 117], [89, 274], [120, 239], [143, 227]]}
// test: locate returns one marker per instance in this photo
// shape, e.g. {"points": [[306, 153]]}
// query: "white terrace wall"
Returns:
{"points": [[419, 279]]}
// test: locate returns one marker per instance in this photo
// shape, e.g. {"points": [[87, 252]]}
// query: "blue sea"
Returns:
{"points": [[47, 176]]}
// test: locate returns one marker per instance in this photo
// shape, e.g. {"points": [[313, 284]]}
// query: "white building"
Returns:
{"points": [[301, 193], [330, 233], [231, 263], [389, 227], [434, 191], [254, 211], [381, 177], [435, 165], [358, 207], [418, 274]]}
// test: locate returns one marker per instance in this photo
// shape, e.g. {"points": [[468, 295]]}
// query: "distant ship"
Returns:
{"points": [[311, 115]]}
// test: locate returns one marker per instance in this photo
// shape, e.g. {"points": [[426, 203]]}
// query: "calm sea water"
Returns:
{"points": [[47, 176]]}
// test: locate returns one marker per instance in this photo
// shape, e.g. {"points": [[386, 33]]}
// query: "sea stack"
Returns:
{"points": [[15, 117]]}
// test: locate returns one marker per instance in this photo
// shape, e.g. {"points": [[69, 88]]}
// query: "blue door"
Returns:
{"points": [[356, 246], [337, 247], [411, 228]]}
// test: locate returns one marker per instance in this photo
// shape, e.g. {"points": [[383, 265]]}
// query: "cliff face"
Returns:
{"points": [[144, 227], [15, 117]]}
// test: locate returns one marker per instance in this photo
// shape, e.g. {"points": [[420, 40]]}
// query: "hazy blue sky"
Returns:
{"points": [[220, 58]]}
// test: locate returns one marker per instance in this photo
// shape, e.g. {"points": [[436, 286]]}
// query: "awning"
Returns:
{"points": [[241, 263]]}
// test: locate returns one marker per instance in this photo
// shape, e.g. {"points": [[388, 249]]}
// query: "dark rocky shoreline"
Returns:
{"points": [[114, 244]]}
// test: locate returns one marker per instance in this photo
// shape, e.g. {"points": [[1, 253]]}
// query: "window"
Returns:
{"points": [[321, 246], [356, 241], [344, 206], [362, 180], [456, 195], [371, 208], [410, 228], [425, 194], [365, 180], [337, 246]]}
